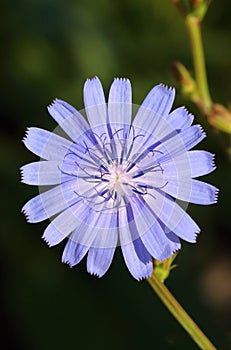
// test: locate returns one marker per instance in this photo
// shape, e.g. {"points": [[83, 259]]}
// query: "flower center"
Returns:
{"points": [[118, 179], [109, 174]]}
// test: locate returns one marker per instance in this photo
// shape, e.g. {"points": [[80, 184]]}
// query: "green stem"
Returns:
{"points": [[194, 27], [180, 314]]}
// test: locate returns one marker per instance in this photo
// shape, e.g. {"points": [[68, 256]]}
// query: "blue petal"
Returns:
{"points": [[179, 143], [81, 238], [172, 215], [157, 103], [160, 100], [202, 163], [175, 122], [99, 260], [168, 143], [150, 231], [192, 191], [180, 118], [51, 202], [108, 231], [188, 164], [95, 103], [175, 241], [74, 252], [172, 237], [70, 120], [203, 193], [65, 223], [88, 225], [120, 105], [156, 124], [137, 258], [96, 232], [41, 173], [45, 144], [152, 240], [102, 250]]}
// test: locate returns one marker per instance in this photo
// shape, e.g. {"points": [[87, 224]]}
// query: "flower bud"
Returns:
{"points": [[184, 80], [197, 8], [220, 118]]}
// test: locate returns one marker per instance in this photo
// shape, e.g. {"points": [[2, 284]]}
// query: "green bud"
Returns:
{"points": [[220, 118], [184, 80], [162, 269], [196, 8]]}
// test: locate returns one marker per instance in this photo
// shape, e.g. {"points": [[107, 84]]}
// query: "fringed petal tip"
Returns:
{"points": [[122, 80], [23, 175], [167, 89], [27, 216], [68, 263], [139, 279], [216, 194], [196, 237], [201, 130], [52, 105], [61, 110], [212, 163], [46, 241], [95, 274], [174, 251], [55, 103], [193, 237], [188, 115], [26, 134], [185, 110], [21, 170], [94, 79]]}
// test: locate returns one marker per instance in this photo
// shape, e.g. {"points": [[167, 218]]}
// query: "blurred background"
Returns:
{"points": [[48, 49]]}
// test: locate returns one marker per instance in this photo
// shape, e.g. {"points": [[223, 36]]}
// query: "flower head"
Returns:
{"points": [[117, 182]]}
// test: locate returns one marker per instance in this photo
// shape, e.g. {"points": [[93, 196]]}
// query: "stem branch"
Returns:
{"points": [[180, 314], [194, 27]]}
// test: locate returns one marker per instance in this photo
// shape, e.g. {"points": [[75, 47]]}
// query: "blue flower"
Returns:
{"points": [[117, 182]]}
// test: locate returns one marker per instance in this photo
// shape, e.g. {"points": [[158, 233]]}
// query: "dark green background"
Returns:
{"points": [[48, 49]]}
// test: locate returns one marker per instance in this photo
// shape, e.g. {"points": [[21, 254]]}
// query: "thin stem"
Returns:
{"points": [[180, 314], [194, 27]]}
